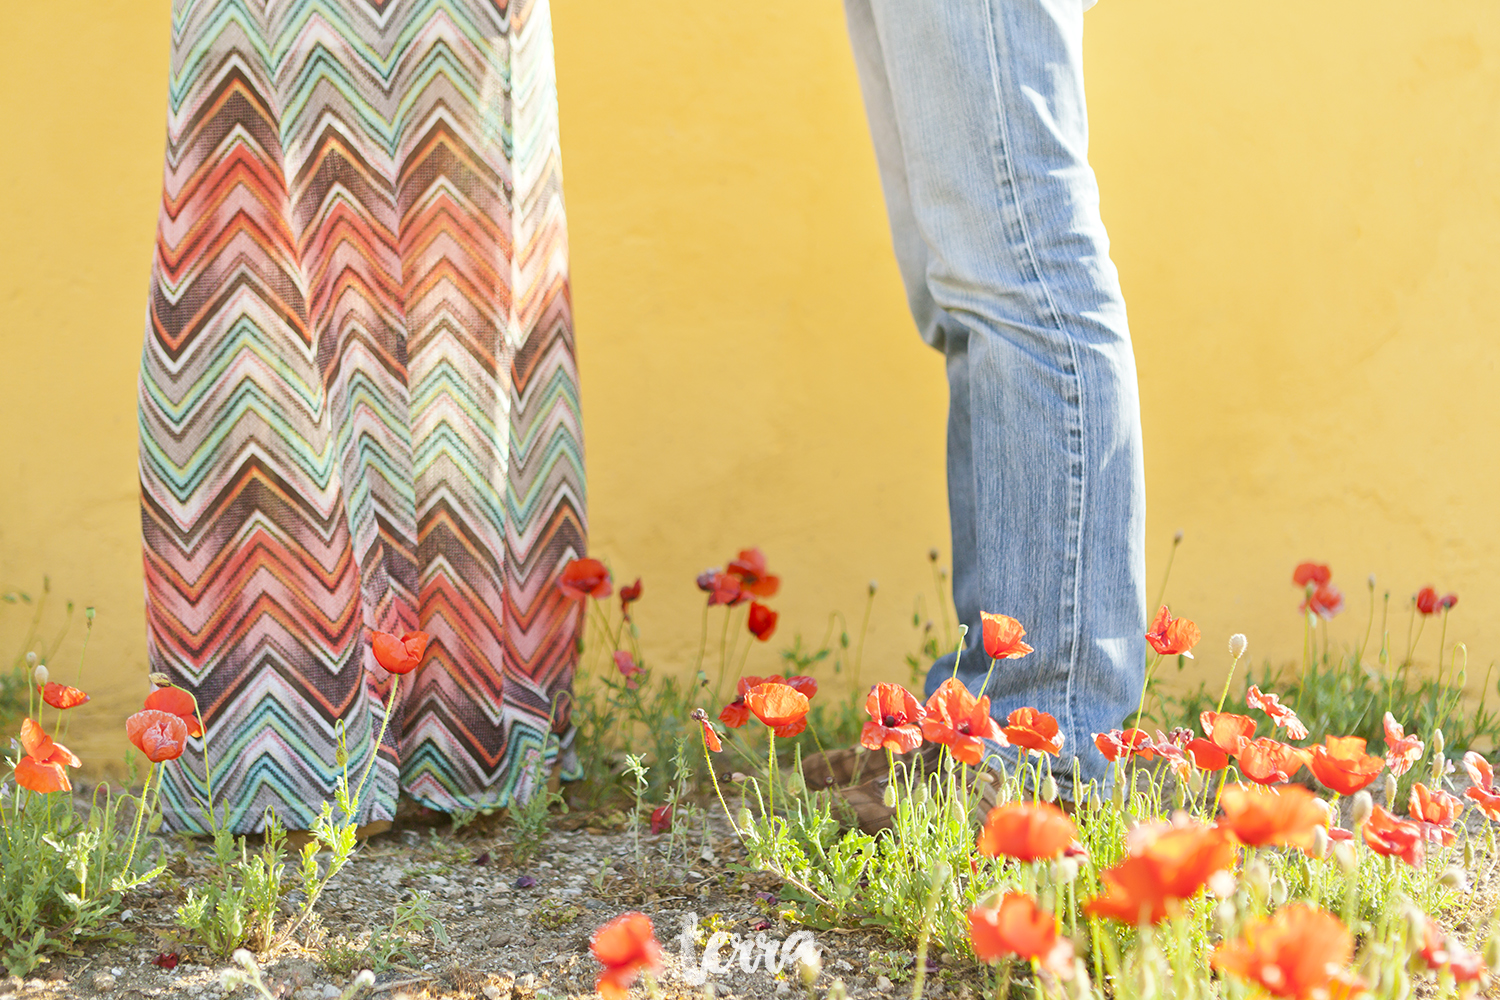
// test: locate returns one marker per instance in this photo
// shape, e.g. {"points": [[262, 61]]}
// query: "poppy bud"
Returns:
{"points": [[364, 980], [1343, 853], [1177, 538], [1064, 870], [1237, 644], [809, 964], [1438, 743], [699, 715], [1362, 808], [1390, 790], [1258, 877], [1195, 781], [1279, 891], [1117, 795], [939, 876], [889, 798], [160, 679], [1455, 878], [837, 991], [1320, 842], [1049, 789], [745, 819], [1491, 951], [874, 586], [795, 785], [39, 675], [31, 659], [1372, 581], [1468, 853]]}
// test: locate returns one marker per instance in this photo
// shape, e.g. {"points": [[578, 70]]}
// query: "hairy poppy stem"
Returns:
{"points": [[958, 655], [139, 814], [714, 777], [390, 705], [770, 774], [1223, 695]]}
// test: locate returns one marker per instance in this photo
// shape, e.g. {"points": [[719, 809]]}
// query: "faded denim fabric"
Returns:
{"points": [[977, 111]]}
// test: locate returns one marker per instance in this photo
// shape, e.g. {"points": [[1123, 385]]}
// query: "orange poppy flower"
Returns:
{"points": [[761, 621], [1033, 730], [176, 701], [896, 718], [1227, 731], [1150, 885], [735, 714], [1483, 790], [1026, 831], [1206, 755], [582, 578], [1401, 751], [1436, 811], [750, 569], [400, 656], [1296, 953], [1394, 837], [1125, 743], [43, 764], [1018, 926], [780, 706], [626, 947], [62, 696], [710, 737], [1270, 762], [1262, 817], [1325, 602], [1173, 636], [959, 721], [1342, 765], [1002, 636], [1308, 572], [159, 735], [1280, 714]]}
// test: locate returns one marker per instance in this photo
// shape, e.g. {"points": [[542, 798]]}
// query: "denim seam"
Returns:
{"points": [[1078, 472]]}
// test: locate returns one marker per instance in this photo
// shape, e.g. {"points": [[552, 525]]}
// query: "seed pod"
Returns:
{"points": [[1237, 644], [1362, 808]]}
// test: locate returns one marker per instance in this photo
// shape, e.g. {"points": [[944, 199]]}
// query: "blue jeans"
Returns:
{"points": [[981, 133]]}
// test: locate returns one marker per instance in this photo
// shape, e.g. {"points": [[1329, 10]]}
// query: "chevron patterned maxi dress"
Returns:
{"points": [[358, 402]]}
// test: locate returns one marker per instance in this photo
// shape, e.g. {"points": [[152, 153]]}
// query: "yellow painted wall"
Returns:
{"points": [[1301, 206]]}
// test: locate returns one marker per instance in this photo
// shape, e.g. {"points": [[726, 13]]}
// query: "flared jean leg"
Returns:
{"points": [[980, 127]]}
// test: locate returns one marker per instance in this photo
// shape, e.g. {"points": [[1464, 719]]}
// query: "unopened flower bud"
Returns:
{"points": [[31, 659], [39, 675], [837, 991], [1258, 877], [1195, 781], [160, 679], [809, 964], [874, 586], [1372, 581], [1438, 743], [745, 820], [1065, 870], [1362, 808], [1177, 538], [795, 785], [1491, 950], [364, 980], [1455, 878], [1468, 853], [1343, 853], [932, 555], [1279, 891], [889, 798], [1319, 842], [1390, 790], [1237, 644], [1049, 789]]}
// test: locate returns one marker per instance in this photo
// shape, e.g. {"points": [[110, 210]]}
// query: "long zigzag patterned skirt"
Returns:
{"points": [[358, 402]]}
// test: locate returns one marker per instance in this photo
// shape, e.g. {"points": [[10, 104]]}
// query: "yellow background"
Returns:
{"points": [[1302, 204]]}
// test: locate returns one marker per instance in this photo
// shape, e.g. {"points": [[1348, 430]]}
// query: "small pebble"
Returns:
{"points": [[883, 984], [492, 991], [330, 991], [103, 982]]}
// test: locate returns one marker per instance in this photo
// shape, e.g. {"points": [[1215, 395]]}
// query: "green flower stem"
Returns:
{"points": [[375, 750], [139, 815]]}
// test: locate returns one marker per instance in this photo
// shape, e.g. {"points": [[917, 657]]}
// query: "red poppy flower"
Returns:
{"points": [[1440, 952], [1436, 811], [1002, 636], [661, 818], [1401, 751], [761, 621], [1033, 730], [62, 696], [1227, 731], [582, 578], [959, 721], [895, 719], [1307, 572], [1026, 831], [629, 595], [1280, 714], [625, 663], [780, 706], [1018, 926], [1296, 953], [43, 764], [750, 568], [1270, 762], [710, 737], [626, 946], [1483, 790], [806, 685], [735, 714], [1149, 886], [159, 735], [1125, 743], [1262, 817], [1206, 755], [1325, 602], [176, 701], [1173, 636], [1394, 837], [1427, 601], [724, 589], [403, 655], [1342, 765]]}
